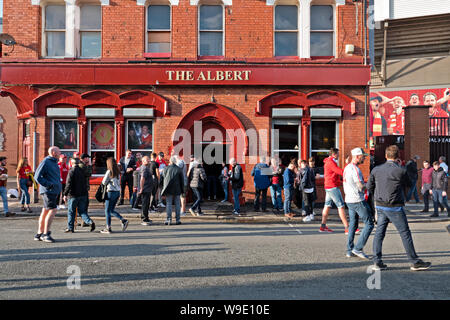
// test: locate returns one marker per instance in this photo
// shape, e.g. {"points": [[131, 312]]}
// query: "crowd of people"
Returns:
{"points": [[150, 180]]}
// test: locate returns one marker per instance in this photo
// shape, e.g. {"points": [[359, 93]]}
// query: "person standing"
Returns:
{"points": [[146, 185], [332, 175], [316, 171], [262, 182], [288, 183], [23, 183], [443, 164], [3, 182], [162, 164], [155, 175], [237, 183], [113, 187], [64, 170], [427, 173], [172, 189], [224, 181], [127, 166], [85, 165], [307, 185], [137, 195], [413, 174], [183, 167], [439, 184], [198, 178], [387, 183], [354, 188], [276, 187], [48, 177], [76, 196]]}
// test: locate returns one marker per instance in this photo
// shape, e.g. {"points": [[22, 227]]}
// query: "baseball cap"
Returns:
{"points": [[85, 155], [358, 152]]}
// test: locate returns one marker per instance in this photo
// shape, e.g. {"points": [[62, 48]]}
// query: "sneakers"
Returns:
{"points": [[106, 230], [360, 254], [69, 230], [434, 215], [325, 229], [161, 205], [178, 223], [135, 209], [62, 206], [379, 266], [289, 215], [350, 255], [192, 212], [420, 265], [356, 232], [124, 225], [308, 218], [92, 226], [37, 237], [235, 213], [182, 214], [223, 201], [47, 238], [146, 222], [167, 222]]}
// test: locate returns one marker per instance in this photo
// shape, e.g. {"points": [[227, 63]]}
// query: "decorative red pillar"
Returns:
{"points": [[306, 122], [120, 147], [82, 128]]}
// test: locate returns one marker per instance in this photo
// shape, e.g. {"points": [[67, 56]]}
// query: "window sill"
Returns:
{"points": [[211, 57], [159, 55]]}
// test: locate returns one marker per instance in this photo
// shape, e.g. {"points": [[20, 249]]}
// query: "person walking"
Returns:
{"points": [[24, 182], [197, 178], [48, 177], [288, 183], [276, 187], [306, 186], [332, 175], [224, 181], [146, 185], [427, 173], [439, 184], [387, 183], [3, 182], [172, 189], [113, 188], [262, 181], [64, 170], [85, 165], [127, 166], [237, 183], [76, 196], [354, 187], [413, 173]]}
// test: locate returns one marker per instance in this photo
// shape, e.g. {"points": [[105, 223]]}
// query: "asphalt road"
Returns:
{"points": [[207, 260]]}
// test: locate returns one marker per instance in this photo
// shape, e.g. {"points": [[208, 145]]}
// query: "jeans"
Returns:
{"points": [[4, 195], [439, 199], [145, 196], [126, 180], [212, 186], [225, 189], [401, 224], [307, 202], [363, 211], [77, 204], [413, 190], [25, 198], [237, 206], [426, 201], [177, 200], [260, 193], [110, 205], [288, 193], [334, 195], [198, 199], [275, 192]]}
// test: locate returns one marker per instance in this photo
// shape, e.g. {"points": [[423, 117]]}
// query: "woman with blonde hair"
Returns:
{"points": [[112, 182], [24, 182]]}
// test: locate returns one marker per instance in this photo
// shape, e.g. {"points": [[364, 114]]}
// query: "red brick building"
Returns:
{"points": [[90, 75]]}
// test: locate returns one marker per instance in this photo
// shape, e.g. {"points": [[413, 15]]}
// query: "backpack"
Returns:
{"points": [[101, 194]]}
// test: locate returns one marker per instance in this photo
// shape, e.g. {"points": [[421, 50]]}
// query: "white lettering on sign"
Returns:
{"points": [[218, 75]]}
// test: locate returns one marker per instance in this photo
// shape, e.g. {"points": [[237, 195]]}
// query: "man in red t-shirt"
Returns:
{"points": [[396, 124]]}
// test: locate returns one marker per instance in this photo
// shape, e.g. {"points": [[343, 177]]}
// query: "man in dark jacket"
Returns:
{"points": [[307, 186], [87, 168], [413, 174], [386, 183], [77, 193], [197, 178], [173, 186], [146, 186], [439, 184], [288, 184], [262, 182], [127, 166], [237, 182]]}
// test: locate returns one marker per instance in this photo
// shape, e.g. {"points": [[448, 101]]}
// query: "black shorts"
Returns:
{"points": [[50, 200]]}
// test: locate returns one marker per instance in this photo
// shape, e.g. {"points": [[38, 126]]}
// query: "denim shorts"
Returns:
{"points": [[50, 200], [334, 195]]}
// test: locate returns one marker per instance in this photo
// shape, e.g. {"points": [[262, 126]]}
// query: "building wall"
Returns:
{"points": [[9, 130]]}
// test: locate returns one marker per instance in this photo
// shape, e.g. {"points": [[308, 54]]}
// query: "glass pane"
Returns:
{"points": [[140, 135], [99, 161], [288, 136], [91, 45], [159, 42], [102, 135], [286, 44], [91, 17], [286, 18], [65, 135], [211, 44], [321, 44], [56, 44], [286, 157], [319, 156], [323, 135], [322, 18], [158, 17], [211, 17], [55, 17]]}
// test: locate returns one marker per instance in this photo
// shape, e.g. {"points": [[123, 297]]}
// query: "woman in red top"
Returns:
{"points": [[64, 171], [23, 176]]}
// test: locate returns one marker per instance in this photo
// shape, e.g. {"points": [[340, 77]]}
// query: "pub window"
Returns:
{"points": [[91, 31], [140, 136], [55, 30], [211, 32], [287, 135], [158, 29], [102, 144], [286, 30], [323, 137], [65, 136], [322, 31]]}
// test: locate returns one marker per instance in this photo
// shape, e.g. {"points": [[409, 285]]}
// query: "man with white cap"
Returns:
{"points": [[354, 188]]}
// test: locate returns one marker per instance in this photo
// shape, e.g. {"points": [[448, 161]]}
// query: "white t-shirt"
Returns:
{"points": [[353, 176]]}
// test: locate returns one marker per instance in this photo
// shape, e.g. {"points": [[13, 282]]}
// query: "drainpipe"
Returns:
{"points": [[35, 193], [365, 30], [365, 113], [383, 62]]}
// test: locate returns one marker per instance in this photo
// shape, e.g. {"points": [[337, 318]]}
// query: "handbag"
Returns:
{"points": [[101, 194]]}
